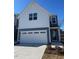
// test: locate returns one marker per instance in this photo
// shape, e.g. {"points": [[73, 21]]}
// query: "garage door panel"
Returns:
{"points": [[37, 36]]}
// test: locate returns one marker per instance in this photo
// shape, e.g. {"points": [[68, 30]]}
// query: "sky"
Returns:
{"points": [[53, 6]]}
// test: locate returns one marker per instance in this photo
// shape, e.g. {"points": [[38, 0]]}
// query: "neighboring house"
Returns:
{"points": [[37, 25], [15, 27]]}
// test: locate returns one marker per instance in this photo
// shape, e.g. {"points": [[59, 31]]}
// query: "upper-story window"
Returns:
{"points": [[53, 20], [30, 16], [33, 16]]}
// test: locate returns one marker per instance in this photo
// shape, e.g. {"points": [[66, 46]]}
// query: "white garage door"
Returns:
{"points": [[36, 36]]}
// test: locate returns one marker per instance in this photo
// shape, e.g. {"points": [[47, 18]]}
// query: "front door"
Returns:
{"points": [[54, 35]]}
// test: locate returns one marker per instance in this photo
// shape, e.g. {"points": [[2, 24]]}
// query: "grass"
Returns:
{"points": [[53, 53]]}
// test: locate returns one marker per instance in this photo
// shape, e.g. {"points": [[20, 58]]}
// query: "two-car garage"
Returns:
{"points": [[34, 36]]}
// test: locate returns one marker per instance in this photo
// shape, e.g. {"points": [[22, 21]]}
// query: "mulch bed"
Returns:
{"points": [[53, 53]]}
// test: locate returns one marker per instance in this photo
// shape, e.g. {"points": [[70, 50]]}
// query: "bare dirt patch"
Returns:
{"points": [[53, 53]]}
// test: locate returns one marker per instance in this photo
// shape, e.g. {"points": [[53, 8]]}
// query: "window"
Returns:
{"points": [[36, 32], [54, 20], [24, 33], [30, 16], [42, 32], [33, 16], [29, 32]]}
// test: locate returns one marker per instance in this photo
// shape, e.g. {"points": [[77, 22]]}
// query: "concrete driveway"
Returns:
{"points": [[29, 52]]}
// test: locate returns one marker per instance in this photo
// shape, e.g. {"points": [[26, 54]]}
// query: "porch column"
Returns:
{"points": [[59, 34]]}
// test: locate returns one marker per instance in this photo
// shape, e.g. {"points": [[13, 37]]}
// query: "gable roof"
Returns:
{"points": [[39, 6]]}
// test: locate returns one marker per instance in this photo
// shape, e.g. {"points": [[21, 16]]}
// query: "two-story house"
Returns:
{"points": [[37, 25]]}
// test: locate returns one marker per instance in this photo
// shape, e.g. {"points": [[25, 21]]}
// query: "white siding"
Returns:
{"points": [[42, 18]]}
